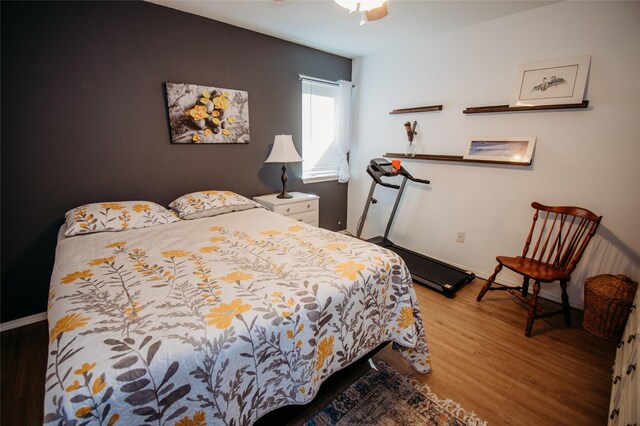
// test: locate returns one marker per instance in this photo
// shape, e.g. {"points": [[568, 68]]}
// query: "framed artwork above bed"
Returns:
{"points": [[207, 114]]}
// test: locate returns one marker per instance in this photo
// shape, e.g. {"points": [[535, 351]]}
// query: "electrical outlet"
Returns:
{"points": [[460, 237]]}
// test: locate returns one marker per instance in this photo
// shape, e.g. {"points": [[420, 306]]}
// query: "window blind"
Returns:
{"points": [[320, 150]]}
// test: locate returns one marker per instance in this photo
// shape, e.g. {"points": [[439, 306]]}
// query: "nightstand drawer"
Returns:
{"points": [[301, 206], [294, 208], [306, 217]]}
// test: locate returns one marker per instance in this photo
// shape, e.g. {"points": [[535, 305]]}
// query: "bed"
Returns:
{"points": [[216, 320]]}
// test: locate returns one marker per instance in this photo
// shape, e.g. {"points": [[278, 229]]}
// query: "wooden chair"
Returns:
{"points": [[561, 234]]}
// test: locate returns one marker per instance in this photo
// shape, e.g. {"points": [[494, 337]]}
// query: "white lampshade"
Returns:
{"points": [[283, 151]]}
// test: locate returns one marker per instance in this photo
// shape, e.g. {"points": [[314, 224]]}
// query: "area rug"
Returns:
{"points": [[386, 398]]}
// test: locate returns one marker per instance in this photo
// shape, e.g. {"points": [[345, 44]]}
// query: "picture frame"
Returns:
{"points": [[553, 82], [206, 114], [501, 149]]}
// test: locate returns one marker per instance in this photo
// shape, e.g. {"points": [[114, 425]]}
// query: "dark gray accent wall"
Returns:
{"points": [[84, 120]]}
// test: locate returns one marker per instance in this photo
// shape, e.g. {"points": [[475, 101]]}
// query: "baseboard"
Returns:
{"points": [[543, 294], [20, 322]]}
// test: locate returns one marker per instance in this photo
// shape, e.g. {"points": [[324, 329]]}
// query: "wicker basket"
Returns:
{"points": [[607, 299]]}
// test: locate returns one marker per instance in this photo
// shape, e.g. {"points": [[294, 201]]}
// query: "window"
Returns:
{"points": [[321, 154]]}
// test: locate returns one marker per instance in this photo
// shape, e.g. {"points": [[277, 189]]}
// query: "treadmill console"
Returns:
{"points": [[379, 167], [383, 167]]}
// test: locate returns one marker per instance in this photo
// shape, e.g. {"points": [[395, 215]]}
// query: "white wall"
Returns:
{"points": [[587, 158]]}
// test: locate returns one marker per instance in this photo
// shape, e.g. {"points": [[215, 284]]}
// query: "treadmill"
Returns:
{"points": [[424, 270]]}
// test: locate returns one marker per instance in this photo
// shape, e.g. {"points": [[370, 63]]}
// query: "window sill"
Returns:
{"points": [[316, 179]]}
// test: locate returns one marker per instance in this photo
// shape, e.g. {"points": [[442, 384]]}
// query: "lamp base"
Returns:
{"points": [[284, 193]]}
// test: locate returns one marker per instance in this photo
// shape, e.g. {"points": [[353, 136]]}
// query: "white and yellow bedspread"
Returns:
{"points": [[216, 320]]}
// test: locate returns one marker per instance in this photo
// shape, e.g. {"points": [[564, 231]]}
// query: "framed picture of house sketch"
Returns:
{"points": [[554, 82], [499, 148]]}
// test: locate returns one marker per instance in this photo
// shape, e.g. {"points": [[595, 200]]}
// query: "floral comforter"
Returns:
{"points": [[216, 320]]}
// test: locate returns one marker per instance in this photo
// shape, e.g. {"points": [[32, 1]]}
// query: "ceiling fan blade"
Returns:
{"points": [[377, 13]]}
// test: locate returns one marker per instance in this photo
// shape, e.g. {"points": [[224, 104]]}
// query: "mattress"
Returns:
{"points": [[217, 320]]}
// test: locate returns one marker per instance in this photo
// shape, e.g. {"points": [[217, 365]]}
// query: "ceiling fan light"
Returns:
{"points": [[348, 4], [367, 5]]}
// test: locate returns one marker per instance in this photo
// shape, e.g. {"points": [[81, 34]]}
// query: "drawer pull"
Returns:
{"points": [[631, 368], [617, 379], [614, 413], [631, 338], [308, 206], [288, 209], [621, 344]]}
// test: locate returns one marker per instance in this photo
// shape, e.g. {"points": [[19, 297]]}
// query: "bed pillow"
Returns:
{"points": [[210, 203], [118, 216]]}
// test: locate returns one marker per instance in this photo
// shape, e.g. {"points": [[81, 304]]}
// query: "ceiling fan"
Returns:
{"points": [[371, 10]]}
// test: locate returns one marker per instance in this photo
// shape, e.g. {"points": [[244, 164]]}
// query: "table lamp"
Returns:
{"points": [[284, 152]]}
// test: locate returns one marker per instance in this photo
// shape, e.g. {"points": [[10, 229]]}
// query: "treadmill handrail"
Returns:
{"points": [[425, 181], [379, 181], [404, 172]]}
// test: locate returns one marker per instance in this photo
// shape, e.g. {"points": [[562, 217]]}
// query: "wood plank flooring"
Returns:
{"points": [[482, 360], [23, 364], [480, 357]]}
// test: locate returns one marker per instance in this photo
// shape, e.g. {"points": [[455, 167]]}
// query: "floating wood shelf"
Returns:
{"points": [[507, 108], [417, 109], [455, 158]]}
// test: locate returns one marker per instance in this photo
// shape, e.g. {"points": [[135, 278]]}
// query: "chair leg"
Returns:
{"points": [[525, 287], [534, 308], [487, 285], [566, 308]]}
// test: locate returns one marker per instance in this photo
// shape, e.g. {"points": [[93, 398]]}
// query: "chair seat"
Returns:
{"points": [[533, 268]]}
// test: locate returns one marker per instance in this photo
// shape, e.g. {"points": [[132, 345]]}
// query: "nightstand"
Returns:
{"points": [[302, 207]]}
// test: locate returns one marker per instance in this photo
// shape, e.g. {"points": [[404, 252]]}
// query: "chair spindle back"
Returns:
{"points": [[562, 235]]}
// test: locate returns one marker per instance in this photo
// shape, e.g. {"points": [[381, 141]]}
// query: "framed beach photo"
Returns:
{"points": [[499, 148], [559, 81]]}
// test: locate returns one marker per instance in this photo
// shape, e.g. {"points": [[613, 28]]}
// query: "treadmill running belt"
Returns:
{"points": [[433, 273]]}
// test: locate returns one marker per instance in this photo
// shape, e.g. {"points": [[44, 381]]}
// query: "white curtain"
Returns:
{"points": [[343, 127]]}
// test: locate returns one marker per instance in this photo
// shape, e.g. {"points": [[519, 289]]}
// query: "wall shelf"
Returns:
{"points": [[417, 109], [507, 108], [454, 158]]}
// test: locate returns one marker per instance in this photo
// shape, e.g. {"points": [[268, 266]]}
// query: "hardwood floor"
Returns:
{"points": [[480, 357], [482, 360], [23, 364]]}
